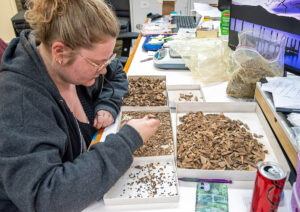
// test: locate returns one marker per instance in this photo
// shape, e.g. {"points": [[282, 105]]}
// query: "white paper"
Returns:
{"points": [[286, 102], [294, 119], [186, 32], [283, 86], [285, 91], [206, 10]]}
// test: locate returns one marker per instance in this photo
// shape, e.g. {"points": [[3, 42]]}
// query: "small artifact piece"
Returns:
{"points": [[215, 142], [150, 180], [162, 141], [187, 97], [146, 91]]}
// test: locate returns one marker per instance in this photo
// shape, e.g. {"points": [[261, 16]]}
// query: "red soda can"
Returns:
{"points": [[268, 187]]}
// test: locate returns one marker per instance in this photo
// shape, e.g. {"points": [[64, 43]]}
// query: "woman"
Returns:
{"points": [[58, 85]]}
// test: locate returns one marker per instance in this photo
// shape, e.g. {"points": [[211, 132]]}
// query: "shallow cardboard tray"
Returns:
{"points": [[165, 193], [147, 109], [250, 114], [161, 77], [174, 92]]}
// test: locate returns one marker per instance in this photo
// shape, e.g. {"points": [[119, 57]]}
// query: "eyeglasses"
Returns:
{"points": [[100, 67]]}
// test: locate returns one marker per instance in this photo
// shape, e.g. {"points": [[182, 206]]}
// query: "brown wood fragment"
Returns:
{"points": [[145, 91], [219, 142], [162, 141]]}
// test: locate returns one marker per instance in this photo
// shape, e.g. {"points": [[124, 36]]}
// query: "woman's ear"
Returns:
{"points": [[60, 52]]}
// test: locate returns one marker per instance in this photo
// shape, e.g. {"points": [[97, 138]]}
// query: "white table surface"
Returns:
{"points": [[239, 200], [239, 193]]}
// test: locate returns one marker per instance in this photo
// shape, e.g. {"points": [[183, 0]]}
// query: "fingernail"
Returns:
{"points": [[152, 117]]}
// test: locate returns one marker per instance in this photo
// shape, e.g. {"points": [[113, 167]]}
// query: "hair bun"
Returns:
{"points": [[77, 23]]}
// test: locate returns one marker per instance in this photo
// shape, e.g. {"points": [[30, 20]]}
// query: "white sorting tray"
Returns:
{"points": [[148, 109], [128, 191], [161, 77], [250, 114], [174, 92]]}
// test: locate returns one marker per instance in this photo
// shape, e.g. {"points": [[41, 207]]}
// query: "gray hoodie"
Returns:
{"points": [[41, 167]]}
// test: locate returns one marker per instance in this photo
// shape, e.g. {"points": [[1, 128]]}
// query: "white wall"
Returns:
{"points": [[7, 10]]}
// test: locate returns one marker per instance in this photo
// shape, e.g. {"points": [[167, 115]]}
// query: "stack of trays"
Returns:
{"points": [[152, 178]]}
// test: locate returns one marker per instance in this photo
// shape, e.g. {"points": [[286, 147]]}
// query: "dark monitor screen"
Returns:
{"points": [[269, 18]]}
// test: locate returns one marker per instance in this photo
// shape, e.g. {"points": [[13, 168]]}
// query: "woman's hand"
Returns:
{"points": [[146, 126], [103, 119]]}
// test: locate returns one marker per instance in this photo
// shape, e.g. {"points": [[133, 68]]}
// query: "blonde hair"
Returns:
{"points": [[76, 23]]}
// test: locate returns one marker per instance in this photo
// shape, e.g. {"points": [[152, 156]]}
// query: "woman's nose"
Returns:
{"points": [[103, 71]]}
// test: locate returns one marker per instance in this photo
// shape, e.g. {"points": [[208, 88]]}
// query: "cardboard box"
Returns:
{"points": [[250, 114], [168, 6], [207, 33]]}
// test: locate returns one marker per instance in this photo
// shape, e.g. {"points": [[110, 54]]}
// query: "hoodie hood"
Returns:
{"points": [[22, 57]]}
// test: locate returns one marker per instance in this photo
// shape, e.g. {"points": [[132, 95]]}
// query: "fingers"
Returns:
{"points": [[98, 122], [146, 126], [153, 120], [150, 116], [103, 119]]}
